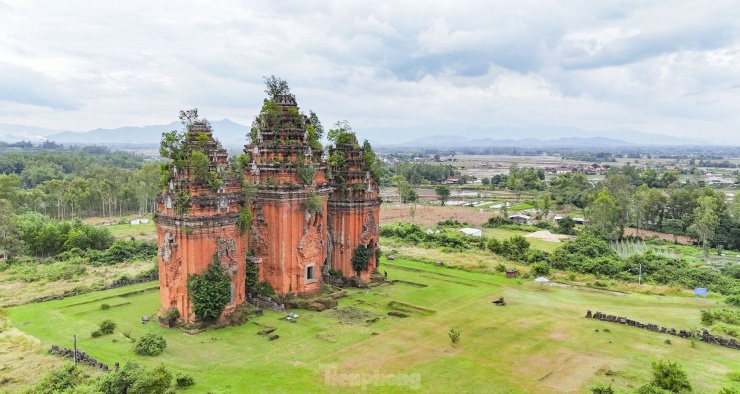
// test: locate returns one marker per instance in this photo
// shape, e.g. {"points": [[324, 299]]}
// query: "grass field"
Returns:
{"points": [[539, 343], [144, 231]]}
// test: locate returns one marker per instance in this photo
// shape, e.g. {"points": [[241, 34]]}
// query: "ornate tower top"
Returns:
{"points": [[284, 153]]}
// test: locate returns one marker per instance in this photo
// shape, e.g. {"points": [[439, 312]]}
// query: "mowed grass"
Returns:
{"points": [[540, 342]]}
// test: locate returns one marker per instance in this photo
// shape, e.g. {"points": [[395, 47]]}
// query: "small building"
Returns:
{"points": [[452, 180], [580, 221], [471, 232], [520, 219]]}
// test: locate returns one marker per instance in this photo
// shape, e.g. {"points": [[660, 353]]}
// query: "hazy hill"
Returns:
{"points": [[228, 132], [234, 134]]}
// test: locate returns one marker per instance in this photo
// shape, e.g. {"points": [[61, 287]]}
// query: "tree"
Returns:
{"points": [[399, 180], [10, 241], [604, 217], [705, 221], [638, 207], [620, 189], [209, 292], [443, 193], [566, 225], [546, 204], [275, 87]]}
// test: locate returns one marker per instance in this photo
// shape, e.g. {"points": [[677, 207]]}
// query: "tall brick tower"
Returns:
{"points": [[288, 234], [354, 207], [197, 221]]}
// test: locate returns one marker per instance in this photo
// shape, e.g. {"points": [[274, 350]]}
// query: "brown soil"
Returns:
{"points": [[426, 215], [646, 234]]}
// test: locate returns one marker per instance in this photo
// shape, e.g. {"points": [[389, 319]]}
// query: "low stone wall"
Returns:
{"points": [[82, 357], [703, 336], [115, 284]]}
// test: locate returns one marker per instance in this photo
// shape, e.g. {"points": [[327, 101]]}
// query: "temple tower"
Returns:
{"points": [[288, 234], [354, 207], [197, 221]]}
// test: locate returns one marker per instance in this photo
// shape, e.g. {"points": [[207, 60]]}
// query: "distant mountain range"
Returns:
{"points": [[234, 134], [544, 138]]}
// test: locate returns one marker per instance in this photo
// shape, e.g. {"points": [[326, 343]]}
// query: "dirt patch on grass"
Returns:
{"points": [[408, 308], [573, 372], [352, 315], [547, 236]]}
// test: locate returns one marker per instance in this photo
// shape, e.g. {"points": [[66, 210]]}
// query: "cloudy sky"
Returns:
{"points": [[400, 69]]}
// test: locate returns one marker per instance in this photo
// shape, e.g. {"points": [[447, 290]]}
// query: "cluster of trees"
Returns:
{"points": [[80, 182], [418, 173], [518, 179], [131, 378], [680, 209]]}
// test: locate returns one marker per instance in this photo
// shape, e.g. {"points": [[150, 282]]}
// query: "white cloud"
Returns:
{"points": [[432, 66]]}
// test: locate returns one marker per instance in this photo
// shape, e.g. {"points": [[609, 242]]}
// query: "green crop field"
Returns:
{"points": [[540, 342]]}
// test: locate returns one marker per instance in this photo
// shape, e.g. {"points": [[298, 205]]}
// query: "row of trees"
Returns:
{"points": [[72, 184]]}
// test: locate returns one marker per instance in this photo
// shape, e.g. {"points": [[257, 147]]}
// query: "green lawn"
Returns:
{"points": [[539, 343], [144, 230]]}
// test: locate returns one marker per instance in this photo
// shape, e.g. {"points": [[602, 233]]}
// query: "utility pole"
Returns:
{"points": [[75, 353]]}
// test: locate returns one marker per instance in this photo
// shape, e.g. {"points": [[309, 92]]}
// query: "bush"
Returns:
{"points": [[184, 380], [515, 248], [106, 327], [733, 300], [728, 316], [497, 221], [540, 269], [132, 378], [360, 258], [121, 251], [454, 335], [601, 388], [105, 307], [667, 377], [209, 292], [494, 246], [150, 344], [264, 289], [59, 380], [536, 256]]}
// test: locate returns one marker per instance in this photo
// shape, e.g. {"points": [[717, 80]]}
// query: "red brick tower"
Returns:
{"points": [[197, 222], [288, 234], [354, 207]]}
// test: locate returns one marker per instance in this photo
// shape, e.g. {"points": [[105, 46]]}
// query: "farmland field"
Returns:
{"points": [[540, 342]]}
